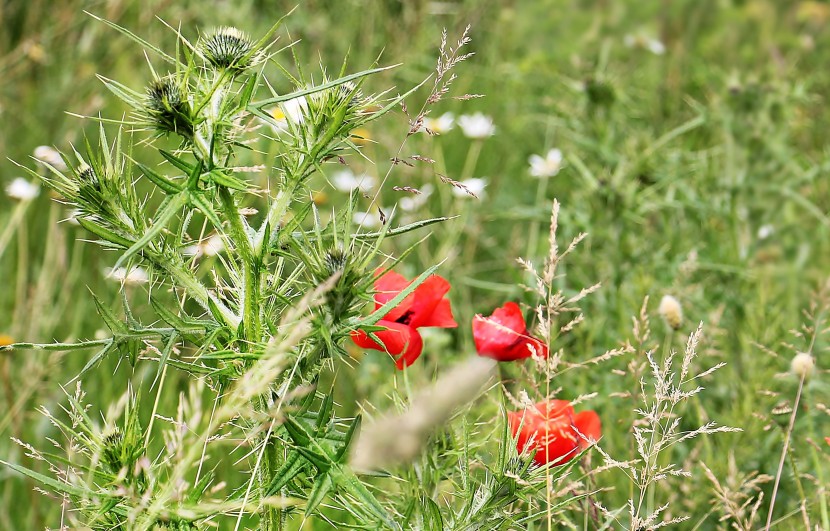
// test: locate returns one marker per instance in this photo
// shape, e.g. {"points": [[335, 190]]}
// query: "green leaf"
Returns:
{"points": [[159, 180], [50, 482], [324, 415], [198, 200], [217, 312], [229, 181], [292, 466], [181, 325], [347, 441], [104, 233], [403, 229], [56, 346], [280, 237], [168, 209], [258, 105], [110, 319], [433, 521], [165, 355], [297, 432], [94, 360], [132, 36], [177, 162], [318, 493], [391, 105], [346, 480], [123, 92], [194, 175], [322, 462]]}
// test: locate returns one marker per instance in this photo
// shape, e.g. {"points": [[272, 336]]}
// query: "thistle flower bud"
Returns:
{"points": [[230, 49], [346, 93], [87, 179], [335, 261], [112, 450], [671, 312], [168, 107], [802, 365]]}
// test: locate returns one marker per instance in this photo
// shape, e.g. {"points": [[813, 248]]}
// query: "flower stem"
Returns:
{"points": [[784, 452]]}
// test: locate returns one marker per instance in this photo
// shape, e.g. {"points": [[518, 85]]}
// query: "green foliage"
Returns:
{"points": [[698, 172]]}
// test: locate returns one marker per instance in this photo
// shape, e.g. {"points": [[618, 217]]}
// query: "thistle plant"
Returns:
{"points": [[225, 332], [256, 334]]}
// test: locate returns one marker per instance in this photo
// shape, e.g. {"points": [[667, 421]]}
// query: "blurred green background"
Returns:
{"points": [[695, 145]]}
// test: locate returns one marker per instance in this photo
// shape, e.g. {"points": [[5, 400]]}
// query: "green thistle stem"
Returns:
{"points": [[195, 289], [251, 274]]}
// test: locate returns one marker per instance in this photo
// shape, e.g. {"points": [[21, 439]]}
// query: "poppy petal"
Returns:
{"points": [[589, 426], [503, 335], [387, 287], [510, 316], [440, 316], [430, 308], [402, 342], [525, 347], [549, 429], [554, 408]]}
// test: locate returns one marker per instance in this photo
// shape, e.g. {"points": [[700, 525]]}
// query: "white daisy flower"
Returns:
{"points": [[346, 181], [292, 110], [476, 125], [442, 124], [22, 189], [416, 201], [211, 246], [50, 156], [136, 275], [546, 166], [647, 43], [476, 185]]}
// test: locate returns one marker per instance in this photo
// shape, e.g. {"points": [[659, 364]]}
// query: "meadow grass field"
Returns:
{"points": [[693, 172]]}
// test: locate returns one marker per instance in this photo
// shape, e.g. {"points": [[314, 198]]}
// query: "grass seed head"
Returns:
{"points": [[671, 311], [802, 365]]}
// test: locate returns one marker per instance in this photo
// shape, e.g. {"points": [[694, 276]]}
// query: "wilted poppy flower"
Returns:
{"points": [[554, 431], [504, 336], [425, 306]]}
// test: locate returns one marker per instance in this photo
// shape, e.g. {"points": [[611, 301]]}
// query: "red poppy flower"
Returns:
{"points": [[504, 336], [426, 306], [554, 431]]}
